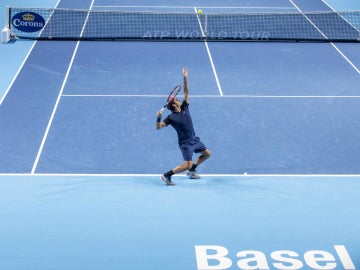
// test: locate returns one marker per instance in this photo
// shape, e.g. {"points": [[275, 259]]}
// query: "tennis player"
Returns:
{"points": [[180, 120]]}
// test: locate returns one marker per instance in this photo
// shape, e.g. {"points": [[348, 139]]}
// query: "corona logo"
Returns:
{"points": [[28, 22], [28, 17]]}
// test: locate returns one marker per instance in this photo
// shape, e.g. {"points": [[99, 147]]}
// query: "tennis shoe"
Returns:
{"points": [[192, 174], [167, 180]]}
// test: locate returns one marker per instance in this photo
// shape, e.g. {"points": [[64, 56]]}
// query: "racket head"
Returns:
{"points": [[173, 93], [171, 97]]}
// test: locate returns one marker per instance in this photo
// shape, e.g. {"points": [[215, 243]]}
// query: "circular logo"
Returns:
{"points": [[28, 21]]}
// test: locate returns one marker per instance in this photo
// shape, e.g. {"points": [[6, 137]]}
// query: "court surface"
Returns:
{"points": [[81, 158]]}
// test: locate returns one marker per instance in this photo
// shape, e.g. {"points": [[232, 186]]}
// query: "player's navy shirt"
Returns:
{"points": [[182, 123]]}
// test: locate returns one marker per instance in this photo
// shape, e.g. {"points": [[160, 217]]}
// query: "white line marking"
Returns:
{"points": [[114, 95], [307, 18], [328, 5], [189, 7], [59, 96], [332, 44], [177, 175], [209, 54], [345, 57], [207, 96]]}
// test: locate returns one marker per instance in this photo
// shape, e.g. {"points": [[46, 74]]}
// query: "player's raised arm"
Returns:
{"points": [[186, 89]]}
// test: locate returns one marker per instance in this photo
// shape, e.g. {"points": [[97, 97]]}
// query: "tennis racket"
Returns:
{"points": [[171, 96]]}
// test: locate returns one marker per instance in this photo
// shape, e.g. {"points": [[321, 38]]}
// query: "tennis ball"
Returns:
{"points": [[199, 11]]}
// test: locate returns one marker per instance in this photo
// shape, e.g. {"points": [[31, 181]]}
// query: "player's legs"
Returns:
{"points": [[204, 155], [188, 166], [185, 166], [166, 177], [187, 153]]}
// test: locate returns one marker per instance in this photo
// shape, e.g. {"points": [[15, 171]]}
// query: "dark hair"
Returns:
{"points": [[169, 105]]}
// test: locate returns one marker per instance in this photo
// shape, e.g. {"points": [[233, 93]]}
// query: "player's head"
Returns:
{"points": [[172, 103]]}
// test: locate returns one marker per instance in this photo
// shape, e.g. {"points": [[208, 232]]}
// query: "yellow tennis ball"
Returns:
{"points": [[199, 11]]}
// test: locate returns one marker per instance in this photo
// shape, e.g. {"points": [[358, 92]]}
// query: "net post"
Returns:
{"points": [[7, 17], [5, 33]]}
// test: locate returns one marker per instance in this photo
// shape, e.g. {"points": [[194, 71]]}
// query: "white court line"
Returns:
{"points": [[332, 44], [207, 96], [328, 5], [113, 95], [209, 54], [202, 6], [177, 175], [59, 96]]}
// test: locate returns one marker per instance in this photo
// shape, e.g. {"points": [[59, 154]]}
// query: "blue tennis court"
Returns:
{"points": [[81, 159]]}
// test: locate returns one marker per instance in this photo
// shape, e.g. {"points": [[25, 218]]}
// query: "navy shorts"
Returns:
{"points": [[189, 147]]}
